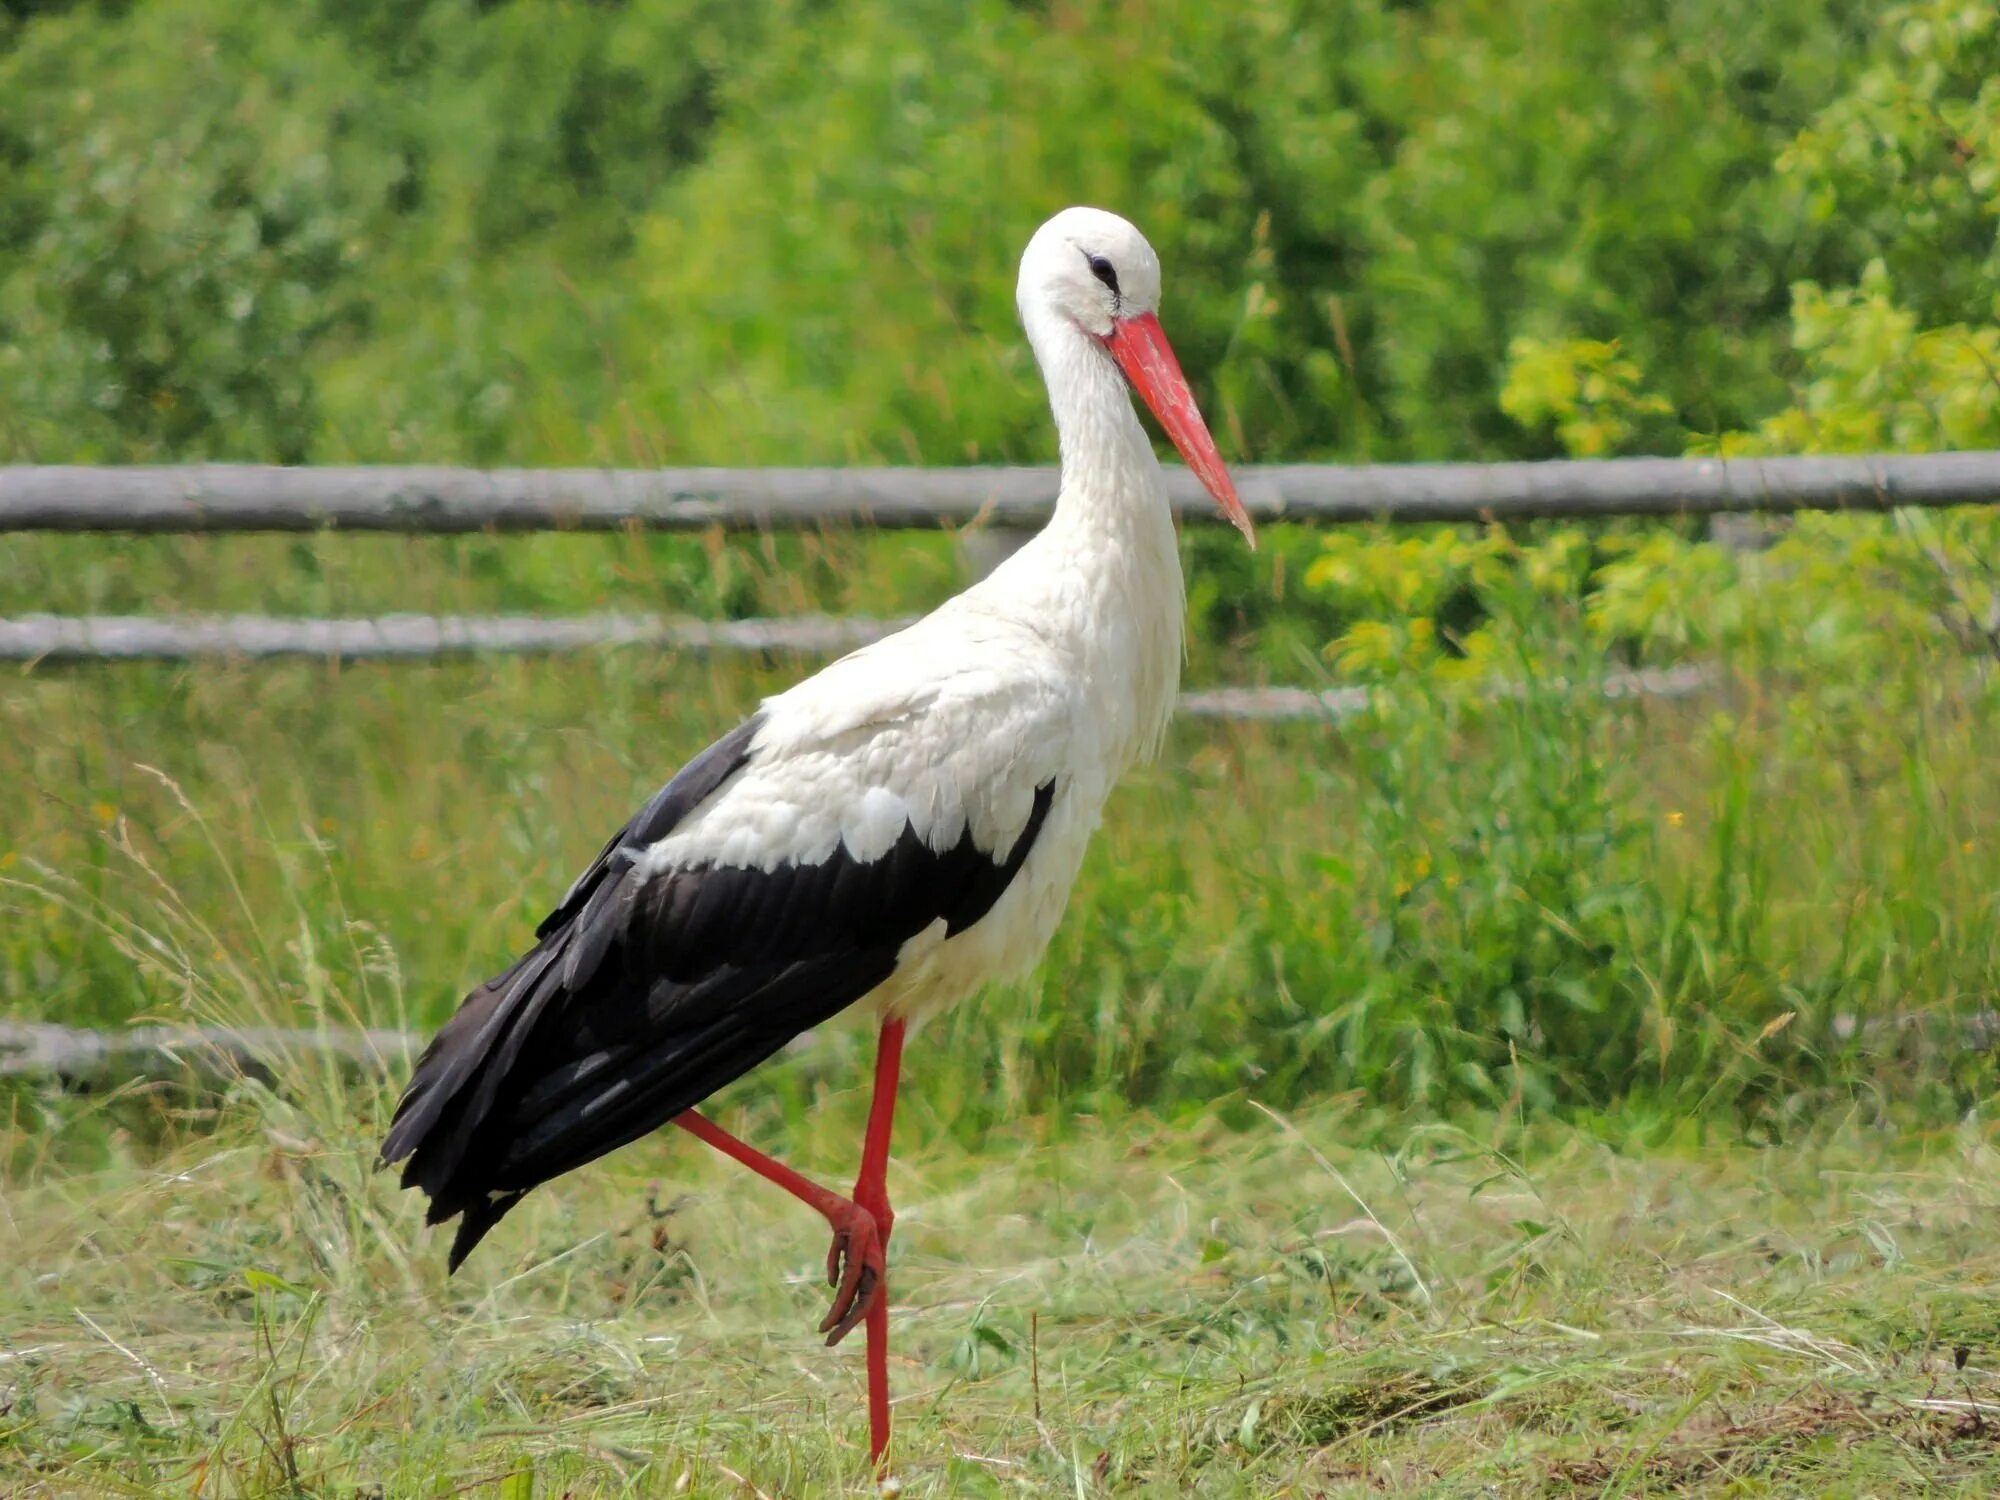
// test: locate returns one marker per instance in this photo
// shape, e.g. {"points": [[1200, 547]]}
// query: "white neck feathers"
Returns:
{"points": [[1110, 552]]}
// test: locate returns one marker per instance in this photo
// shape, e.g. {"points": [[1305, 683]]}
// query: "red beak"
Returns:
{"points": [[1140, 346]]}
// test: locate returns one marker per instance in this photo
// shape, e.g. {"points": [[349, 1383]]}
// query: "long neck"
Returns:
{"points": [[1107, 463], [1110, 547]]}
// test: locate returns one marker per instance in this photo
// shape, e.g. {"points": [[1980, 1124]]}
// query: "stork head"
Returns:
{"points": [[1095, 271]]}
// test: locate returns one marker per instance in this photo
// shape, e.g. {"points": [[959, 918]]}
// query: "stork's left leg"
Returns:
{"points": [[871, 1192]]}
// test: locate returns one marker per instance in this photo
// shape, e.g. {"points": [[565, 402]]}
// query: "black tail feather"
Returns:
{"points": [[473, 1224], [646, 1083], [457, 1080]]}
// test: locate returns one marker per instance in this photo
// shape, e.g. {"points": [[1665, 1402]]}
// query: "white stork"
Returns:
{"points": [[893, 832]]}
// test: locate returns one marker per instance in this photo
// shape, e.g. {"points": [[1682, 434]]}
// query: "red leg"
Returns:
{"points": [[871, 1188], [854, 1264], [871, 1192]]}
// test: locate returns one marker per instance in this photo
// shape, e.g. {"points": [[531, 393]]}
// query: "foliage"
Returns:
{"points": [[1842, 597], [1906, 356], [167, 263], [1904, 165], [683, 229], [1583, 387], [341, 236], [1874, 375]]}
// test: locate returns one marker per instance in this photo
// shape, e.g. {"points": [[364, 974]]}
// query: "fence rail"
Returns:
{"points": [[98, 638], [211, 1056], [233, 497], [64, 638]]}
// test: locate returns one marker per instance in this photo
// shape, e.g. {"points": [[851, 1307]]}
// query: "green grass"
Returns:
{"points": [[1543, 1096], [1338, 1303]]}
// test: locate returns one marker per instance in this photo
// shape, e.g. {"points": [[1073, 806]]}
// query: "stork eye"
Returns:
{"points": [[1103, 271]]}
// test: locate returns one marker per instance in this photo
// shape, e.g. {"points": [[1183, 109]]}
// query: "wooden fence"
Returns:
{"points": [[60, 638], [993, 502], [232, 498]]}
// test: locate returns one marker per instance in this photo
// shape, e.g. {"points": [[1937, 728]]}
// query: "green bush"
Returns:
{"points": [[690, 230]]}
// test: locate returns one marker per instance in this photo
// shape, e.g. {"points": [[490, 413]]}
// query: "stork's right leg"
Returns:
{"points": [[871, 1192], [855, 1266]]}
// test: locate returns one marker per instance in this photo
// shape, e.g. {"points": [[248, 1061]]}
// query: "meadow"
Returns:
{"points": [[1326, 1303], [1549, 1093]]}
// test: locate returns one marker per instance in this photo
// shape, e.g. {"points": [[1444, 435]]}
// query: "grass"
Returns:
{"points": [[1543, 1096], [1337, 1303]]}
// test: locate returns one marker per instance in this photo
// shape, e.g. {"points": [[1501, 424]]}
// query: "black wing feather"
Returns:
{"points": [[643, 996], [697, 781]]}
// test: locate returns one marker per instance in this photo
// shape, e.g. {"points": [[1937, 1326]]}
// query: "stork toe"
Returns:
{"points": [[856, 1268]]}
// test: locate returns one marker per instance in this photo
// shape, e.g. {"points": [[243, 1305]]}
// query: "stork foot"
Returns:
{"points": [[856, 1267]]}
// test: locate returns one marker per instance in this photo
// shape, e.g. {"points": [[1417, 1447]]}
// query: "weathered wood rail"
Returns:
{"points": [[997, 503], [58, 638], [98, 638], [206, 1056], [248, 497], [213, 1057]]}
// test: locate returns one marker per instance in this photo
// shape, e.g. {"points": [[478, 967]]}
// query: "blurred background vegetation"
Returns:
{"points": [[772, 231]]}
